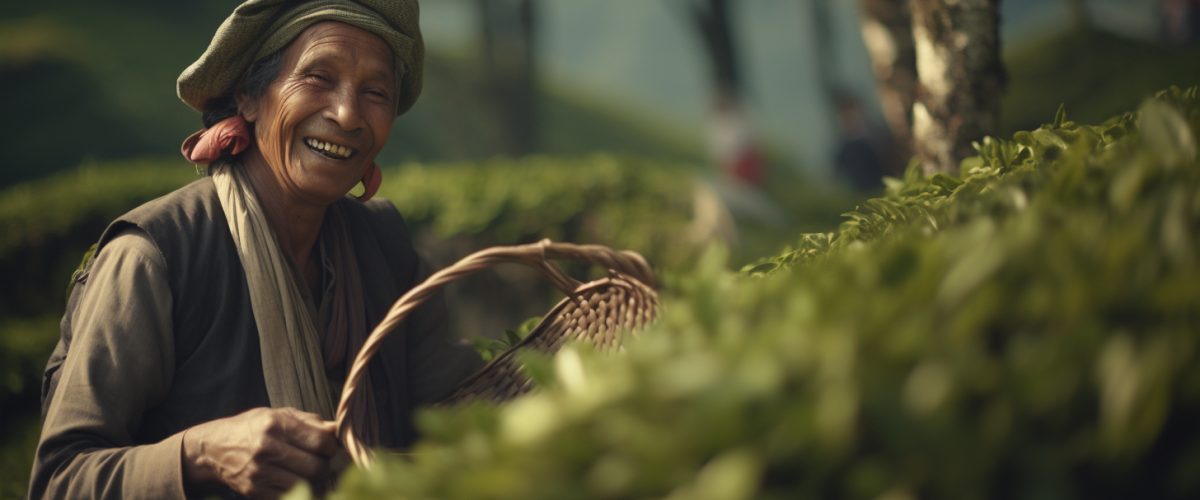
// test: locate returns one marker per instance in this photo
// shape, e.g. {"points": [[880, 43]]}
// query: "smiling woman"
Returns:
{"points": [[320, 124], [204, 345]]}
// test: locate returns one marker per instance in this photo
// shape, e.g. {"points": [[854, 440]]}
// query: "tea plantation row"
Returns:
{"points": [[1028, 329]]}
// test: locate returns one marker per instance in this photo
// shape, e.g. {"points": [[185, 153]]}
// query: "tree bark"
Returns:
{"points": [[887, 34], [823, 33], [508, 34], [960, 78], [712, 22], [1077, 13]]}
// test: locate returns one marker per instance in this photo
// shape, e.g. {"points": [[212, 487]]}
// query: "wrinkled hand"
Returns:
{"points": [[260, 453]]}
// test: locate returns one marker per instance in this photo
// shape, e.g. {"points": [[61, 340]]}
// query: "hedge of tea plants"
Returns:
{"points": [[620, 200], [1026, 329]]}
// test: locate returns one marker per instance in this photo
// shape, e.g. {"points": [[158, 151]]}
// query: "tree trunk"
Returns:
{"points": [[960, 77], [712, 21], [1077, 13], [887, 34], [508, 34], [522, 106], [823, 34]]}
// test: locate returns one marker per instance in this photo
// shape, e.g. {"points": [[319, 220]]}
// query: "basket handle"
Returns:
{"points": [[535, 255]]}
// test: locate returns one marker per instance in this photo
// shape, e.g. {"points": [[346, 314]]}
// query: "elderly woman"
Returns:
{"points": [[204, 347]]}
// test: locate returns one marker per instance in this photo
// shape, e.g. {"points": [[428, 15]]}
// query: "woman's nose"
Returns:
{"points": [[344, 109]]}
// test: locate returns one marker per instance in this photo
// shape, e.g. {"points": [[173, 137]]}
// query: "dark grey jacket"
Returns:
{"points": [[159, 336]]}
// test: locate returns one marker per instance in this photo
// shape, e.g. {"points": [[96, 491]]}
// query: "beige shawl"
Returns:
{"points": [[294, 368], [291, 349]]}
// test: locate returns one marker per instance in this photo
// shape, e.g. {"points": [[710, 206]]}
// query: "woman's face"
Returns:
{"points": [[328, 113]]}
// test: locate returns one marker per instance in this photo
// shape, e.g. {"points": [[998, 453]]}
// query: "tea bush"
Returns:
{"points": [[621, 201], [1025, 330]]}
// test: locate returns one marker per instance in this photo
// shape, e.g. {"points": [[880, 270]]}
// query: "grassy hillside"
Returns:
{"points": [[96, 81]]}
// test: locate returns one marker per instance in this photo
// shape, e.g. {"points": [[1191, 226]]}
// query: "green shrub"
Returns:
{"points": [[1074, 65], [54, 207], [1028, 330], [621, 201]]}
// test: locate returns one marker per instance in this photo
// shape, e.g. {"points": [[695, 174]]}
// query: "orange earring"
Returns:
{"points": [[371, 181]]}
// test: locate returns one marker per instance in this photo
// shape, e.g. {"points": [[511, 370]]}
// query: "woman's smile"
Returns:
{"points": [[330, 149], [323, 120]]}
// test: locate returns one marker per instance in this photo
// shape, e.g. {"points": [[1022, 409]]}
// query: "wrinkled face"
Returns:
{"points": [[328, 113]]}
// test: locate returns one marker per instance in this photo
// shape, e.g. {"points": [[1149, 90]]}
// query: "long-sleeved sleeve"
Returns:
{"points": [[120, 364]]}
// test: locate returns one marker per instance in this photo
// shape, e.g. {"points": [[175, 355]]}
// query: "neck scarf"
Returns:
{"points": [[294, 366], [291, 355], [348, 329]]}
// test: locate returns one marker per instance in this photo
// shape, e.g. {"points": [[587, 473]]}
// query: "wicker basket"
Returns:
{"points": [[598, 312]]}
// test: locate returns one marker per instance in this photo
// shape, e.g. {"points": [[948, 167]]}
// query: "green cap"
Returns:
{"points": [[258, 28]]}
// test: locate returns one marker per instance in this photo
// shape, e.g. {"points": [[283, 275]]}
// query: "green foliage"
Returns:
{"points": [[1028, 330], [1096, 73], [621, 201], [53, 207], [17, 448], [999, 181], [489, 348], [24, 345], [97, 80]]}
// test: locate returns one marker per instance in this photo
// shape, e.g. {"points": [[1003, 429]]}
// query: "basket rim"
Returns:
{"points": [[626, 265], [553, 313]]}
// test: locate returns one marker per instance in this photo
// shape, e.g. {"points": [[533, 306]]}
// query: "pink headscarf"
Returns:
{"points": [[206, 146]]}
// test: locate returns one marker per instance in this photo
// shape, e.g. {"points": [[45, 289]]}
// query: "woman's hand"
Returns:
{"points": [[260, 453]]}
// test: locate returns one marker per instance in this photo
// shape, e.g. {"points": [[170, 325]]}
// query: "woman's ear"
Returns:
{"points": [[247, 107]]}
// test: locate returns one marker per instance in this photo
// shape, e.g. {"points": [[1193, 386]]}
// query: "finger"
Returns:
{"points": [[305, 416], [309, 433], [298, 462], [301, 414], [340, 461], [265, 493], [272, 483], [311, 419]]}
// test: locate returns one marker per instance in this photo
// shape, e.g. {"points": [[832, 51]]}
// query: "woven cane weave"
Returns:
{"points": [[600, 312]]}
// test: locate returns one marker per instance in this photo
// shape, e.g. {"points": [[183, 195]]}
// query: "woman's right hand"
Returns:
{"points": [[260, 453]]}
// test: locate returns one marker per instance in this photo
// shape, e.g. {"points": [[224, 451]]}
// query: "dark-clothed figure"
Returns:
{"points": [[204, 348]]}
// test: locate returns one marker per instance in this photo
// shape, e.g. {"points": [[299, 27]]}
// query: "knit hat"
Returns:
{"points": [[258, 28]]}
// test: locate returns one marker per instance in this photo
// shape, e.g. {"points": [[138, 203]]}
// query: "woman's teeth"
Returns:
{"points": [[331, 150]]}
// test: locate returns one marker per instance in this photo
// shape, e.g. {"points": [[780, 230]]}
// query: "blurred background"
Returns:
{"points": [[655, 125]]}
